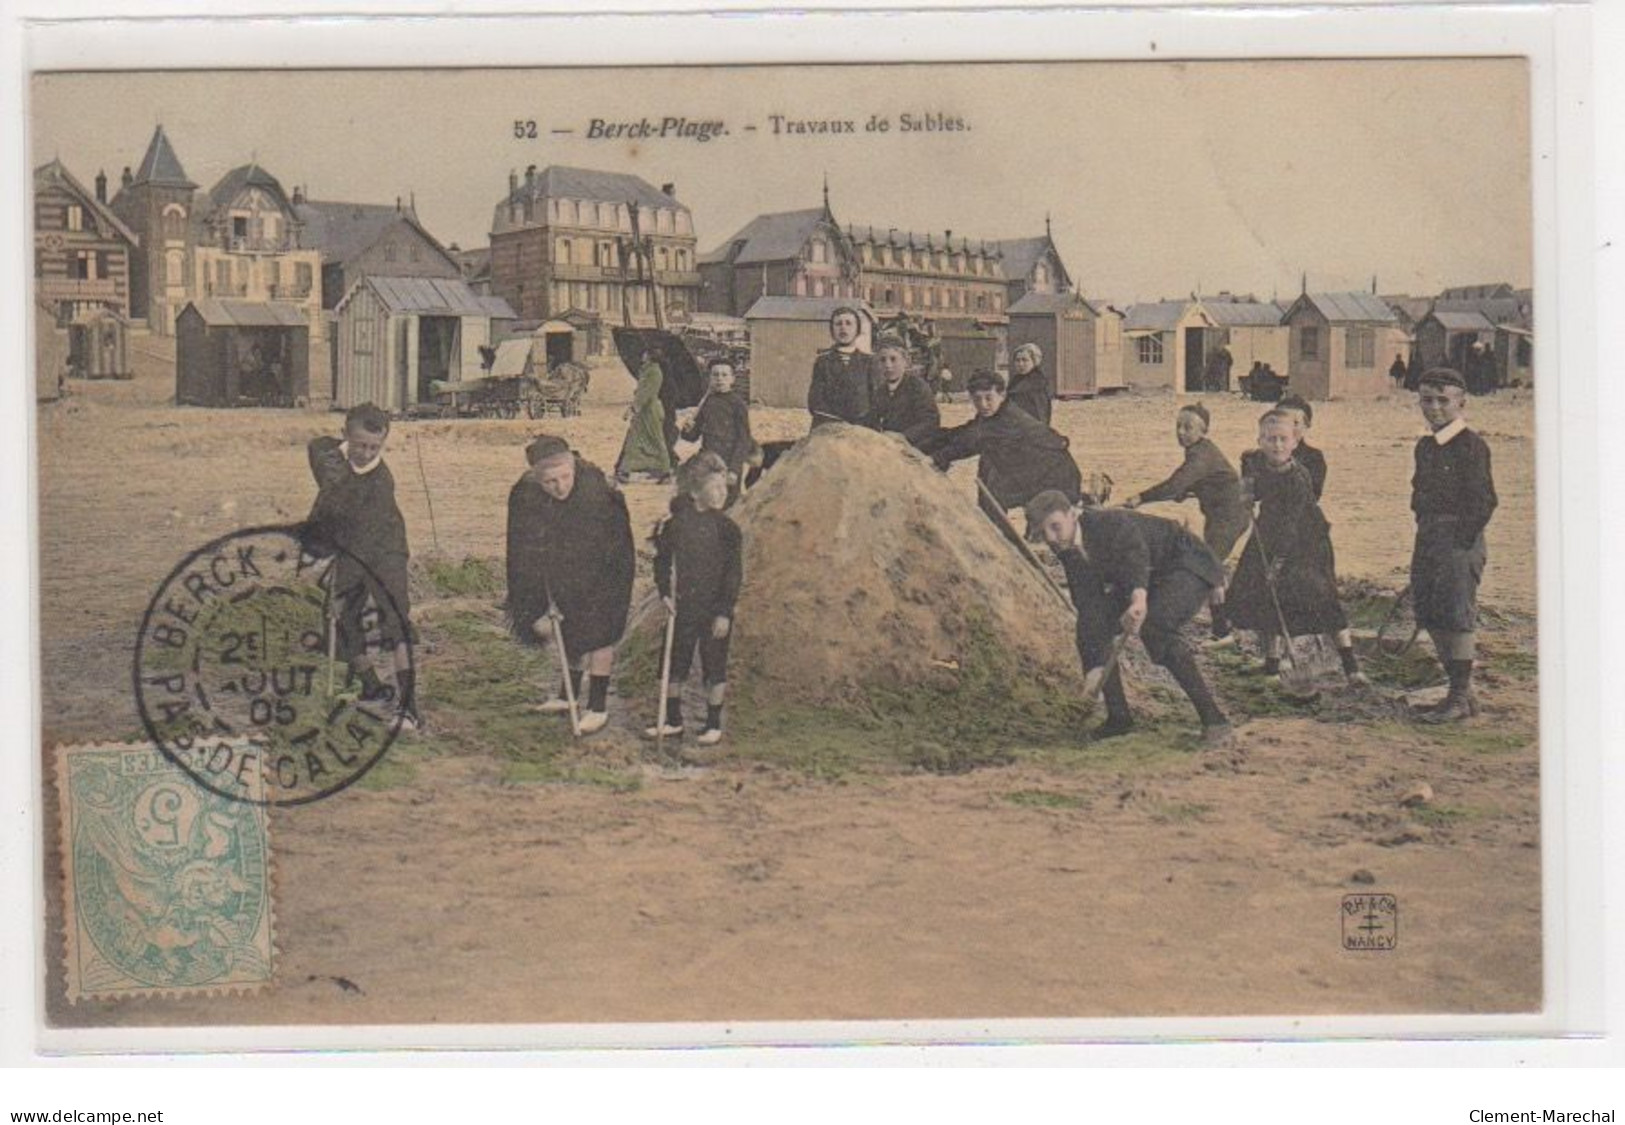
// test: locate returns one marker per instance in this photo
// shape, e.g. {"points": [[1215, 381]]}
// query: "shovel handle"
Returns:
{"points": [[555, 616]]}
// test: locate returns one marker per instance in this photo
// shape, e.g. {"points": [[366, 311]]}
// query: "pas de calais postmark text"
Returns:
{"points": [[168, 885], [236, 677]]}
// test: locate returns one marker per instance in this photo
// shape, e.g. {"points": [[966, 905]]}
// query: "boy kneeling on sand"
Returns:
{"points": [[1453, 496], [1136, 574], [356, 518], [570, 566], [703, 546]]}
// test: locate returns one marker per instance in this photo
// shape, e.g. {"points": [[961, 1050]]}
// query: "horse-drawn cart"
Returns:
{"points": [[511, 385]]}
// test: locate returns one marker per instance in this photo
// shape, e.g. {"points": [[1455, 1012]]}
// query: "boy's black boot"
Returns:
{"points": [[1458, 703], [406, 692], [373, 690], [1119, 719], [1182, 667]]}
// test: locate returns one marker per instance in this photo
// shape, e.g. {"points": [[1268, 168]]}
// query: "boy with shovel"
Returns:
{"points": [[1133, 574], [356, 514], [570, 567], [698, 570]]}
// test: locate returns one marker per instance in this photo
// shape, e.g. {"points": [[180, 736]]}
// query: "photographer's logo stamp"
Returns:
{"points": [[236, 678], [1370, 922]]}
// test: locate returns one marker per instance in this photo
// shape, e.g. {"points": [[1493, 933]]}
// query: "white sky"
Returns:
{"points": [[1159, 177]]}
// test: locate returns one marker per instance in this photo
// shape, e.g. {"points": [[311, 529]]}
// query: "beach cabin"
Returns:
{"points": [[1341, 345], [398, 336], [242, 353], [1166, 344]]}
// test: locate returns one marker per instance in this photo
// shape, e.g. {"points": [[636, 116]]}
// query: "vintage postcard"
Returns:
{"points": [[953, 541]]}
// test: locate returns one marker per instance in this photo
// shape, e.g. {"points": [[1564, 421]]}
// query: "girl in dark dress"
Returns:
{"points": [[570, 547], [1290, 550]]}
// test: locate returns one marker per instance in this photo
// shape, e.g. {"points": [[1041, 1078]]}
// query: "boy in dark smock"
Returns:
{"points": [[1453, 497], [1030, 387], [1017, 455], [902, 402], [1206, 475], [722, 426], [355, 518], [570, 547], [843, 378], [1290, 550], [706, 550], [1298, 409], [1130, 572]]}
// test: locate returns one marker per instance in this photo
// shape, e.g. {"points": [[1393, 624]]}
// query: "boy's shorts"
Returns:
{"points": [[1445, 577], [713, 653]]}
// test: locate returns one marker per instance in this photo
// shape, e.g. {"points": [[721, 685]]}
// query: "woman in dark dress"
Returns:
{"points": [[1029, 383], [570, 548], [1290, 550]]}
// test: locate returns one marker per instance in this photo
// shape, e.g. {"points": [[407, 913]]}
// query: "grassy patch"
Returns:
{"points": [[1515, 663], [529, 771], [469, 578], [481, 688], [1443, 816], [1479, 739], [991, 704], [1365, 603], [1248, 692], [1045, 799], [1414, 668], [399, 765], [1471, 737], [992, 712], [1178, 812], [479, 697]]}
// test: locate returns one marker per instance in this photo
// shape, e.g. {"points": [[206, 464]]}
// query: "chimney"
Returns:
{"points": [[513, 192], [397, 204], [530, 178], [298, 195], [669, 189], [101, 187], [127, 178]]}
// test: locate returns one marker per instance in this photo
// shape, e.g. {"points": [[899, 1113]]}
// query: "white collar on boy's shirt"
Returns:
{"points": [[344, 448], [1444, 434]]}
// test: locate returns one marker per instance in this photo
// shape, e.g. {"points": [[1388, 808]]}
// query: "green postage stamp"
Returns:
{"points": [[168, 886]]}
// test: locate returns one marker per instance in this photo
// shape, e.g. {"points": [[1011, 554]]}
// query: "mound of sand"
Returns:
{"points": [[865, 567]]}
